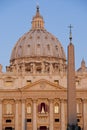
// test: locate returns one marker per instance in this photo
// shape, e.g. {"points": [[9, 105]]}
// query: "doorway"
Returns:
{"points": [[8, 128], [43, 128]]}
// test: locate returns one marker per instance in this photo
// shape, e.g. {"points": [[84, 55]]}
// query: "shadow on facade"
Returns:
{"points": [[8, 128]]}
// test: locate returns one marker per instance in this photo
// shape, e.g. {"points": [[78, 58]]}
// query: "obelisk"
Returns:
{"points": [[71, 87]]}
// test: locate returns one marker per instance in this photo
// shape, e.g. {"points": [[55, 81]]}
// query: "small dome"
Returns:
{"points": [[83, 67], [37, 42]]}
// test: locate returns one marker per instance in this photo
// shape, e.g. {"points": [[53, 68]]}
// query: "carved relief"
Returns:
{"points": [[37, 67]]}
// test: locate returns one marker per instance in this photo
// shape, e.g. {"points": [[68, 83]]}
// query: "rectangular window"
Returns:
{"points": [[28, 82], [28, 120], [56, 81], [8, 121], [56, 120], [78, 120]]}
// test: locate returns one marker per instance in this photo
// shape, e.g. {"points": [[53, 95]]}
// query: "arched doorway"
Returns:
{"points": [[8, 128], [43, 128]]}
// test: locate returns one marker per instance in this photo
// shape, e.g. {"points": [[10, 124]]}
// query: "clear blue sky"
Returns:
{"points": [[16, 17]]}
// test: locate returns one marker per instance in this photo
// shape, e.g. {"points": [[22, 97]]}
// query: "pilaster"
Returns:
{"points": [[17, 114], [0, 114], [63, 127], [85, 114], [34, 115], [51, 114], [23, 114]]}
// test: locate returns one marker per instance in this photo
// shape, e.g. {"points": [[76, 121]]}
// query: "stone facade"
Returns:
{"points": [[33, 90]]}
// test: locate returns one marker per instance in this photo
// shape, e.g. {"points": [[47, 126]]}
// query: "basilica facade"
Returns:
{"points": [[33, 90]]}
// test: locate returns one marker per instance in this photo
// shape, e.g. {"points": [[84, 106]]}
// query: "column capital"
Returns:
{"points": [[62, 100], [17, 100], [84, 100], [34, 100], [51, 100], [23, 100]]}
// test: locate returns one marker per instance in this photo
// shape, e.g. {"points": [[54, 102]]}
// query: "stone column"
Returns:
{"points": [[23, 115], [0, 114], [34, 116], [51, 114], [16, 116], [85, 114], [63, 127]]}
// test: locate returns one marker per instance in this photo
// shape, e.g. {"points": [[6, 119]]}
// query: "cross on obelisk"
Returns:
{"points": [[70, 37], [71, 87]]}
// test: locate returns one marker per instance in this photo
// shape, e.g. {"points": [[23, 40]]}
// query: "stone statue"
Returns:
{"points": [[0, 68]]}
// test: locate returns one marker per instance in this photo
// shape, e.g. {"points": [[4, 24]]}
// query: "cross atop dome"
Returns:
{"points": [[37, 8]]}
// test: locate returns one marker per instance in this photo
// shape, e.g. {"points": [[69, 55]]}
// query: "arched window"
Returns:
{"points": [[42, 108], [8, 108], [29, 108], [56, 108]]}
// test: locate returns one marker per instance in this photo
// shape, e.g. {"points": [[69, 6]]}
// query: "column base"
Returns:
{"points": [[73, 127]]}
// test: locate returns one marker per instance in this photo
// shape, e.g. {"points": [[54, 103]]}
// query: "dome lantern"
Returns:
{"points": [[37, 21]]}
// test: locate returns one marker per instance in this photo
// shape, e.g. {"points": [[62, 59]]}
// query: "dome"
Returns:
{"points": [[38, 42], [37, 45]]}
